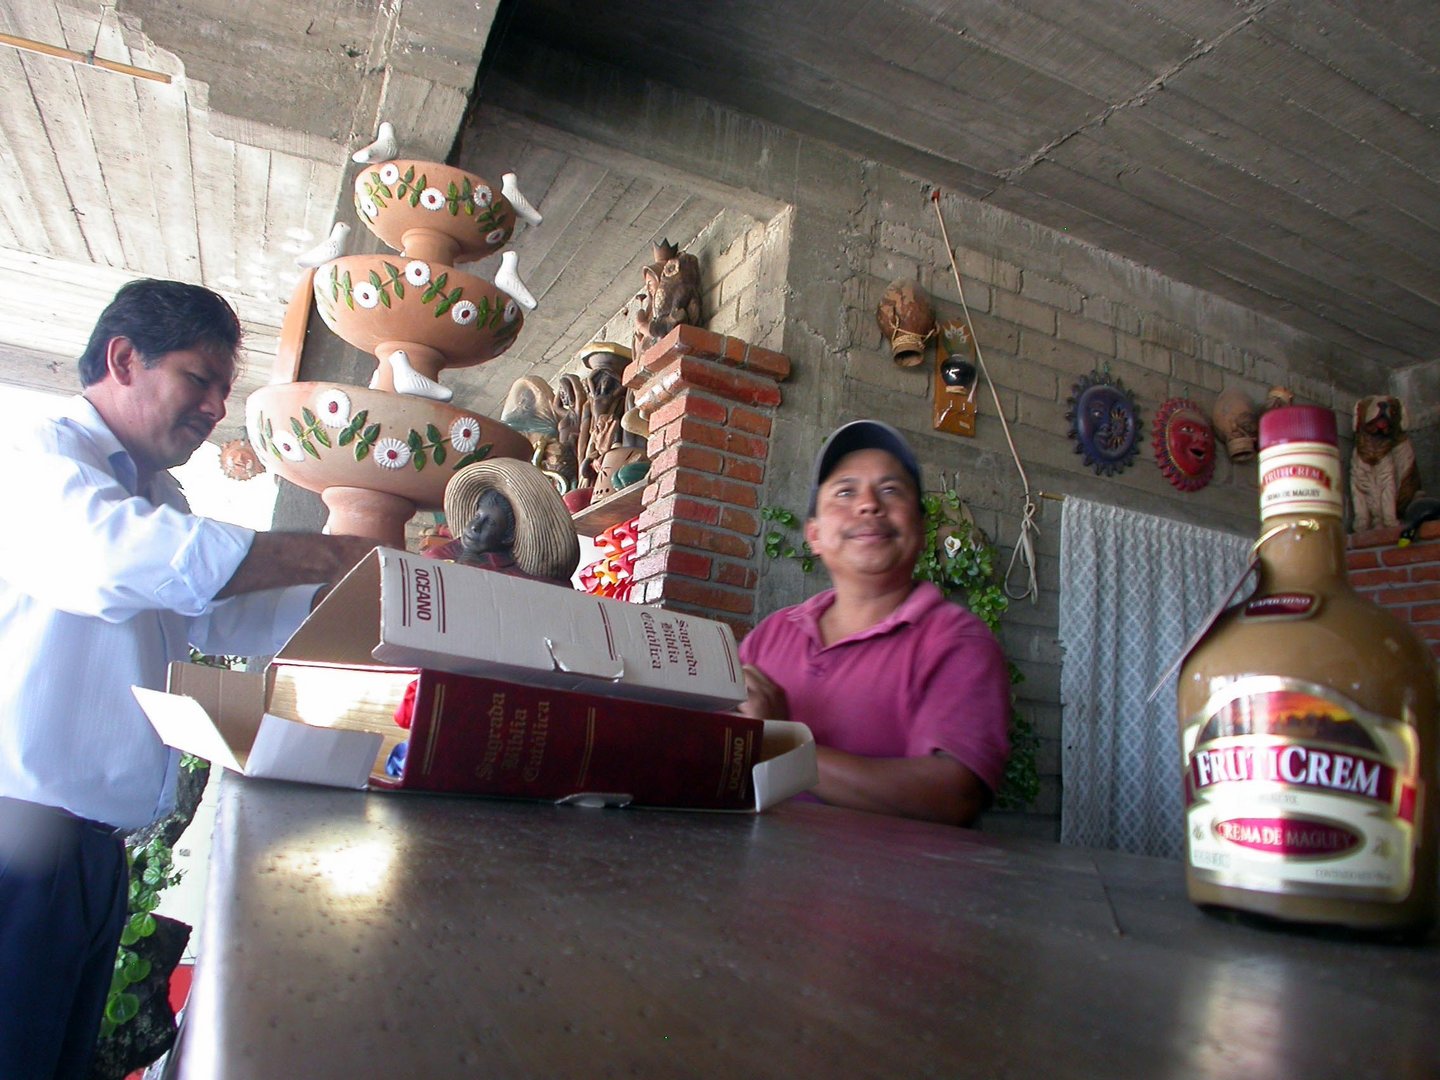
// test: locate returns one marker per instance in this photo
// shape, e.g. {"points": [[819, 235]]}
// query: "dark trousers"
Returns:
{"points": [[64, 888]]}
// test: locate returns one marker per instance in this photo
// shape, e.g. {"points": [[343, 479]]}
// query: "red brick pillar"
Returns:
{"points": [[710, 401], [1405, 580]]}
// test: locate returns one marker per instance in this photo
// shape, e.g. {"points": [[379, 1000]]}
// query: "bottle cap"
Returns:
{"points": [[1298, 423]]}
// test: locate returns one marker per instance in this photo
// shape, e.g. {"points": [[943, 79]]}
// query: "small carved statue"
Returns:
{"points": [[1384, 478], [604, 406], [507, 516], [671, 296], [570, 399], [530, 409]]}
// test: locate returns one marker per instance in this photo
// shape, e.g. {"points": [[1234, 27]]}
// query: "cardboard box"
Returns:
{"points": [[633, 697], [220, 715], [473, 735], [398, 611]]}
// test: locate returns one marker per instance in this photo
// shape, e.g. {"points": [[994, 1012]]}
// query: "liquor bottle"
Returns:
{"points": [[1308, 722]]}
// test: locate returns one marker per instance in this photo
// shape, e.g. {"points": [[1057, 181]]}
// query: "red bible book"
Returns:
{"points": [[486, 737]]}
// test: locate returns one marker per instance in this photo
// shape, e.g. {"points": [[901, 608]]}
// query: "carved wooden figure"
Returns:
{"points": [[671, 296], [1384, 478], [604, 406], [570, 399]]}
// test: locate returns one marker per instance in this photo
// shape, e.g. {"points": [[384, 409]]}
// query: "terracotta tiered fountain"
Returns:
{"points": [[378, 454]]}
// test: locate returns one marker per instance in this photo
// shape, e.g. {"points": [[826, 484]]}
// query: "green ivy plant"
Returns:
{"points": [[961, 563], [152, 870]]}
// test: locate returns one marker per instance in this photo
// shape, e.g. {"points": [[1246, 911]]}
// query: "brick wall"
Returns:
{"points": [[1404, 580], [710, 401]]}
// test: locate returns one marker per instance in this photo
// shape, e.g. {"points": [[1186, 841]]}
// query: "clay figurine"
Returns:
{"points": [[570, 399], [604, 406], [1384, 478], [671, 296], [507, 516], [530, 409]]}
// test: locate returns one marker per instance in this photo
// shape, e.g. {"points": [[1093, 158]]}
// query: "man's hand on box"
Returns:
{"points": [[764, 700]]}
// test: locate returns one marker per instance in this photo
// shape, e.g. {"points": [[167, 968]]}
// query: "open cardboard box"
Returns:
{"points": [[663, 755], [322, 711]]}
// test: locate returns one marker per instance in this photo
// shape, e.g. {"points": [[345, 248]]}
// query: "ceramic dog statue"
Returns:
{"points": [[1383, 475]]}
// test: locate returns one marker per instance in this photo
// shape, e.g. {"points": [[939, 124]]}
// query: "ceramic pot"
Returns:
{"points": [[374, 457], [1237, 423], [381, 303], [577, 499], [436, 212], [906, 321]]}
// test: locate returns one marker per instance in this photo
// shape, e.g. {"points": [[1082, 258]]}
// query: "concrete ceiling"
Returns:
{"points": [[1284, 154]]}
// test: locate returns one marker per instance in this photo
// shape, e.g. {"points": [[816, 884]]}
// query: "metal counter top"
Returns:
{"points": [[377, 935]]}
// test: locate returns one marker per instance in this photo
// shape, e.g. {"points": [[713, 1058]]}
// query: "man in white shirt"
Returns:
{"points": [[106, 577]]}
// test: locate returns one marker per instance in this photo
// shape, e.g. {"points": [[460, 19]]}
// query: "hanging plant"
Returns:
{"points": [[958, 559]]}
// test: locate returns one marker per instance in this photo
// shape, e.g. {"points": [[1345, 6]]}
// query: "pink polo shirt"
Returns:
{"points": [[931, 676]]}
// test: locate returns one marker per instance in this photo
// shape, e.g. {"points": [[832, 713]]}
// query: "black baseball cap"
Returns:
{"points": [[861, 435]]}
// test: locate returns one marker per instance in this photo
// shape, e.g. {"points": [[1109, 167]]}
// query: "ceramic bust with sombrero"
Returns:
{"points": [[507, 516]]}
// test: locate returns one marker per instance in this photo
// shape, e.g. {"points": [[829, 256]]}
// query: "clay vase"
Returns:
{"points": [[439, 316], [906, 321], [432, 211], [374, 457], [1277, 397], [1237, 424]]}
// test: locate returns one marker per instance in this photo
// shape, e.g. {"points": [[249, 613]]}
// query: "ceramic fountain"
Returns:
{"points": [[379, 453]]}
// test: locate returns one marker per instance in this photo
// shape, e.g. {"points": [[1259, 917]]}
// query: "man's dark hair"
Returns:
{"points": [[161, 317]]}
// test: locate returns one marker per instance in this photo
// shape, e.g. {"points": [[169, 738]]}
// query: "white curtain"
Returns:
{"points": [[1133, 588]]}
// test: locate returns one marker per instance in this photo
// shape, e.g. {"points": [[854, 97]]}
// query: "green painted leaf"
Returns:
{"points": [[410, 173], [308, 416], [372, 432], [309, 448], [322, 438], [432, 433], [439, 454], [296, 428], [418, 459]]}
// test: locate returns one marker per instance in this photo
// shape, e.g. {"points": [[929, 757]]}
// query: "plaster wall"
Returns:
{"points": [[1047, 309]]}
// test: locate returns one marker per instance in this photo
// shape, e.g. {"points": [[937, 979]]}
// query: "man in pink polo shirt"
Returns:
{"points": [[908, 694]]}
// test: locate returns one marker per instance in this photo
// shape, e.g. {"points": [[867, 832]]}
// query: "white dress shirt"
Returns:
{"points": [[101, 586]]}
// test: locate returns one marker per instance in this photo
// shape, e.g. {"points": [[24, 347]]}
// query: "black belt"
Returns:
{"points": [[23, 809]]}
